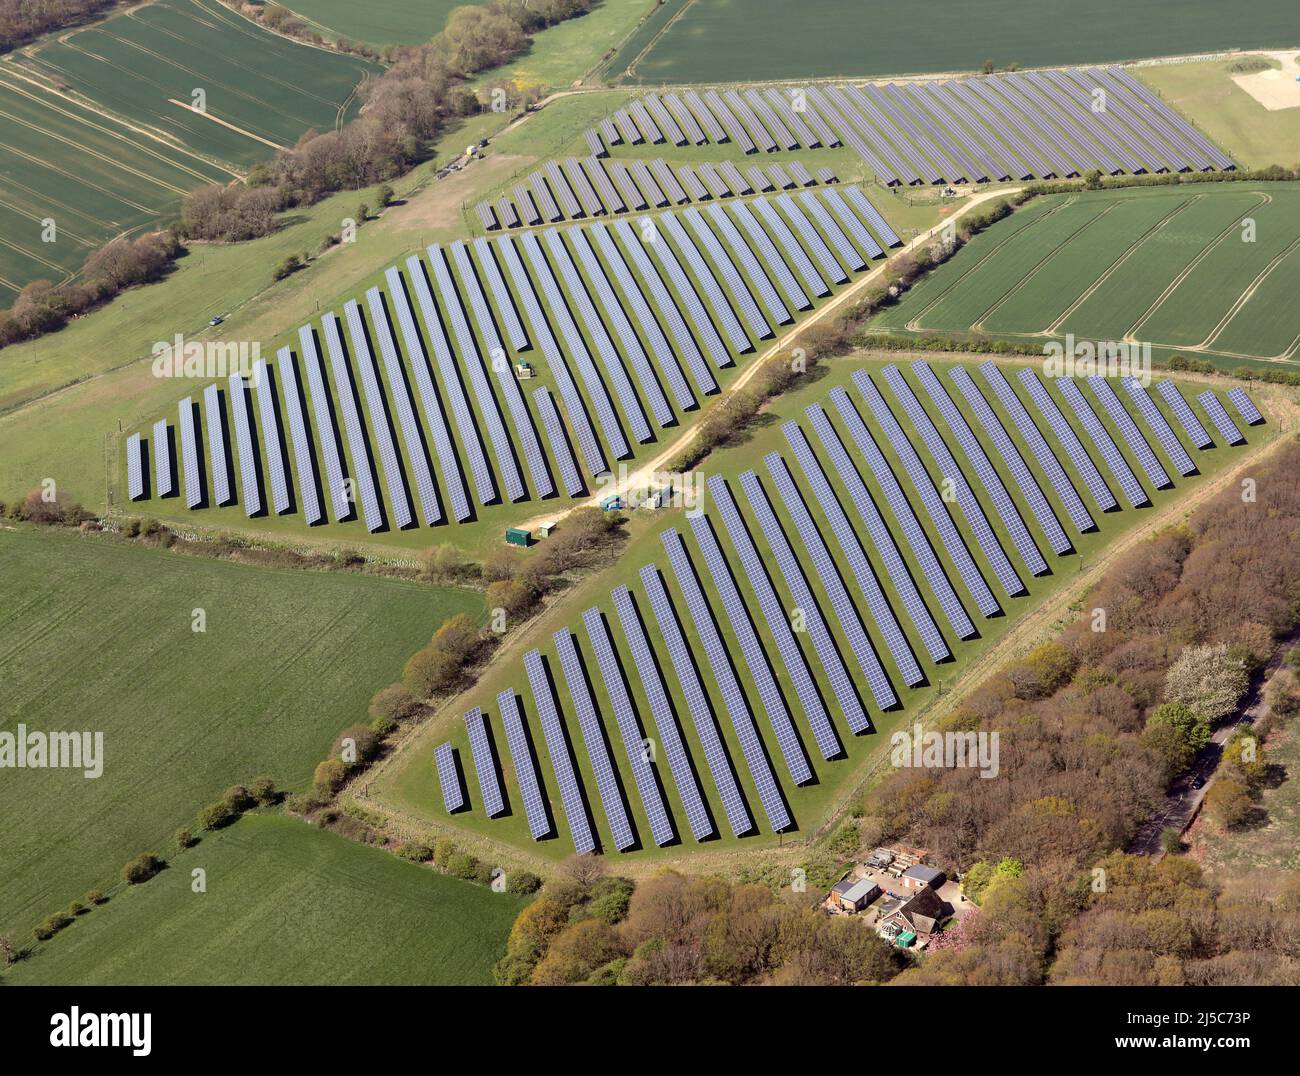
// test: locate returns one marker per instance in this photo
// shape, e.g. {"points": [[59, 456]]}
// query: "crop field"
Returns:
{"points": [[98, 133], [1199, 269], [739, 40], [286, 904], [378, 22], [98, 636], [408, 782]]}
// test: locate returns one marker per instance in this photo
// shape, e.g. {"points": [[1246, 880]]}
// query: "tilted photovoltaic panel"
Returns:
{"points": [[844, 249], [1029, 432], [1128, 430], [1157, 425], [731, 175], [777, 619], [856, 228], [244, 441], [581, 186], [760, 179], [557, 746], [418, 362], [798, 257], [825, 569], [353, 429], [884, 113], [275, 462], [689, 124], [987, 476], [379, 421], [570, 479], [800, 174], [828, 654], [646, 181], [526, 775], [720, 258], [1015, 462], [871, 518], [504, 303], [829, 106], [872, 216], [929, 496], [783, 108], [526, 205], [190, 457], [135, 467], [586, 436], [717, 186], [609, 132], [697, 190], [760, 674], [706, 118], [769, 792], [767, 252], [1101, 440], [484, 763], [740, 249], [656, 698], [1245, 408], [487, 216], [901, 508], [506, 213], [668, 182], [627, 129], [780, 132], [1068, 440], [425, 491], [604, 188], [734, 128], [634, 743], [547, 206], [1186, 416], [715, 754], [1221, 419], [622, 179], [448, 777], [740, 108], [702, 272], [649, 128], [218, 458], [330, 448], [812, 242], [561, 190], [300, 434], [162, 455], [664, 119]]}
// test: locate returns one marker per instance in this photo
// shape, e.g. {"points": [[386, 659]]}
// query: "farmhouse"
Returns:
{"points": [[919, 916]]}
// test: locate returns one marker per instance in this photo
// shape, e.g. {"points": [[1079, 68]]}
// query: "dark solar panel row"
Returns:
{"points": [[484, 763], [1221, 419], [353, 428], [299, 435], [276, 466], [521, 758], [557, 746], [1128, 430], [1186, 416], [1157, 425], [1101, 441], [244, 435], [1068, 440]]}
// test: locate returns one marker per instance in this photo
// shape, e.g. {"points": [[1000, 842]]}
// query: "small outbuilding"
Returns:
{"points": [[919, 876], [853, 896], [518, 536]]}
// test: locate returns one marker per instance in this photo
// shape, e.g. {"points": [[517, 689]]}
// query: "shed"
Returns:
{"points": [[518, 536], [853, 896], [545, 530], [611, 503], [905, 939], [920, 876]]}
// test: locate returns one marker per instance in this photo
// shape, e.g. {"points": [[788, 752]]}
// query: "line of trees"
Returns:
{"points": [[23, 20]]}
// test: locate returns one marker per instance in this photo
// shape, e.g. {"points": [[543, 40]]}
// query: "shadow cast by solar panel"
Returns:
{"points": [[461, 784], [767, 661], [366, 465], [331, 411], [713, 710], [452, 429], [583, 483], [313, 479], [534, 758], [273, 389], [255, 447], [829, 706], [562, 720], [227, 456], [173, 475], [850, 591], [494, 757], [146, 469], [200, 455], [676, 719], [641, 727], [386, 416]]}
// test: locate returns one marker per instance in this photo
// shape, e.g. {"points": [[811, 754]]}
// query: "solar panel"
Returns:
{"points": [[586, 436], [299, 433], [1015, 462], [715, 754], [777, 620], [1129, 431], [668, 182], [609, 132], [354, 430], [418, 364], [547, 206], [992, 151], [632, 348], [716, 185], [271, 436], [812, 242], [779, 178], [1096, 432], [506, 213], [706, 118], [1157, 425], [819, 127], [550, 415], [1030, 434], [720, 258], [487, 216], [1185, 415], [666, 308], [825, 569], [1150, 144], [638, 112], [1171, 119], [1245, 408], [735, 130], [740, 250], [689, 124], [627, 129], [449, 777], [1068, 440], [1025, 159], [581, 186], [527, 207], [871, 215], [496, 286], [499, 363], [929, 496], [869, 514], [849, 134], [190, 457], [484, 763], [604, 188], [162, 454], [856, 228], [780, 132], [825, 175], [596, 144], [557, 746], [521, 757], [338, 488], [730, 175], [909, 163], [926, 95], [700, 270], [767, 252], [609, 356], [800, 174], [656, 698], [901, 507], [561, 191], [937, 136], [769, 792], [847, 253], [999, 95], [758, 133], [1221, 419], [760, 673], [1078, 106], [697, 190], [989, 478], [244, 444], [648, 186], [217, 453], [626, 187], [135, 467], [760, 179], [798, 258], [783, 110], [663, 118], [394, 479], [425, 491]]}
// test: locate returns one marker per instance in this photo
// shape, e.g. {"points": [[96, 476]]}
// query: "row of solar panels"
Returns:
{"points": [[577, 189], [1044, 124], [729, 654], [432, 433]]}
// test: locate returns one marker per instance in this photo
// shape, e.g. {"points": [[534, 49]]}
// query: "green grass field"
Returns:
{"points": [[749, 40], [286, 904], [96, 635], [378, 22], [408, 783], [1179, 267]]}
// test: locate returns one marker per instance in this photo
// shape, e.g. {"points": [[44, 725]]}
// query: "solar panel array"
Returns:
{"points": [[453, 798], [1200, 438], [353, 427], [521, 758], [135, 449], [1245, 407], [162, 455], [190, 454], [1221, 419], [1068, 440], [1157, 425], [1128, 430], [484, 763], [244, 442], [219, 460], [557, 746], [1101, 441], [272, 437]]}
